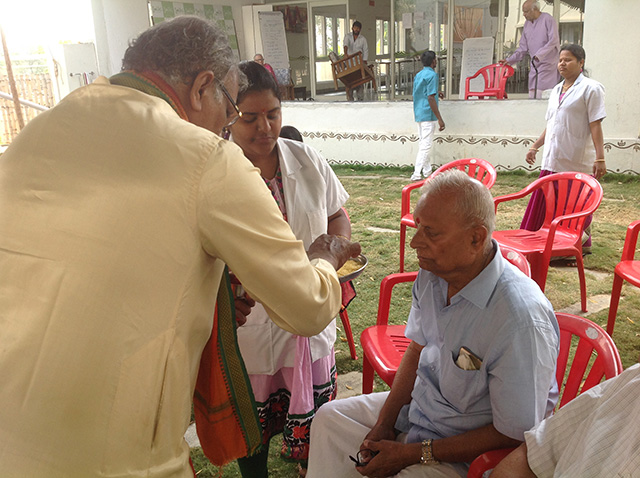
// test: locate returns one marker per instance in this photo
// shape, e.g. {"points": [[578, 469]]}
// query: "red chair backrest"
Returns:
{"points": [[496, 75], [495, 80], [517, 259], [582, 373], [630, 241], [590, 337], [386, 287], [476, 168], [568, 193]]}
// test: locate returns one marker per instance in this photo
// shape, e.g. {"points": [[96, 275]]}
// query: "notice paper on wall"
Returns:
{"points": [[476, 53], [274, 41]]}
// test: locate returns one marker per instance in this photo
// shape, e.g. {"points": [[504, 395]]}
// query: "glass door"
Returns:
{"points": [[330, 26]]}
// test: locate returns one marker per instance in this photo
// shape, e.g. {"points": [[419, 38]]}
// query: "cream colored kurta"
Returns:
{"points": [[115, 219]]}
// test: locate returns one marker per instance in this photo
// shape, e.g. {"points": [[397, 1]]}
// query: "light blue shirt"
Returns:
{"points": [[505, 320], [425, 84]]}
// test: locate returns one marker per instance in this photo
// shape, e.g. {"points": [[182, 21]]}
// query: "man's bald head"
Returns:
{"points": [[531, 9]]}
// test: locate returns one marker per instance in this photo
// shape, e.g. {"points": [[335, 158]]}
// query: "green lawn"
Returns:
{"points": [[374, 208]]}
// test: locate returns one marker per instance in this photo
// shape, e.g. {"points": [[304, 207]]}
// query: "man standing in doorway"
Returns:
{"points": [[353, 43], [541, 41], [426, 112]]}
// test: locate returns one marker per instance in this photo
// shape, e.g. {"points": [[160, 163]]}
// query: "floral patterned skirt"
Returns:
{"points": [[287, 401]]}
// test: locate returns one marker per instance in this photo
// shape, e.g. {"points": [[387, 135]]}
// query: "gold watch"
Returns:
{"points": [[427, 453]]}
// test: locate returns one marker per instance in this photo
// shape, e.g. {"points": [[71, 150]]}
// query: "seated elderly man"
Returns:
{"points": [[592, 436], [479, 370]]}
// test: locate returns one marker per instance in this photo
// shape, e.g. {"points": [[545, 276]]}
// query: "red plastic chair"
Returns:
{"points": [[384, 345], [569, 199], [495, 81], [477, 168], [344, 317], [517, 259], [584, 372], [627, 269]]}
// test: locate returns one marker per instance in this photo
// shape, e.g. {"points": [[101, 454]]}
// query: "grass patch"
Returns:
{"points": [[374, 207]]}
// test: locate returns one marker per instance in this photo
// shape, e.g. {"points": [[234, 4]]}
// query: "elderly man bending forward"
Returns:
{"points": [[120, 208], [540, 40], [479, 371]]}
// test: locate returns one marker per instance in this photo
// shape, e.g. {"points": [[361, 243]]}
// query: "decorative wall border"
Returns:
{"points": [[410, 166], [471, 140], [361, 137], [498, 167]]}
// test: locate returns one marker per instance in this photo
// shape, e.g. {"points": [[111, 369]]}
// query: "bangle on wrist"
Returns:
{"points": [[427, 453], [599, 160], [533, 149]]}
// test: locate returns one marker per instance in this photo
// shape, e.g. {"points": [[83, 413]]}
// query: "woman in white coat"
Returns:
{"points": [[573, 139], [291, 375]]}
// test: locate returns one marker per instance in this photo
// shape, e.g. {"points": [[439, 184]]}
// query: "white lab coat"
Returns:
{"points": [[312, 193], [568, 145]]}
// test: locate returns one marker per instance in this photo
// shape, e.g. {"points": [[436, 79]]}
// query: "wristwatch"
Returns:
{"points": [[427, 453]]}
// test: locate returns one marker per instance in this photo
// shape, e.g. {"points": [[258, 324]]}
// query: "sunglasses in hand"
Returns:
{"points": [[363, 457]]}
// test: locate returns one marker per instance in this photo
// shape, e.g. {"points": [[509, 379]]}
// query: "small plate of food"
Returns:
{"points": [[352, 268]]}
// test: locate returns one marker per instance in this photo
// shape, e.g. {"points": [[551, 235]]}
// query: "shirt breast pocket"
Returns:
{"points": [[464, 389]]}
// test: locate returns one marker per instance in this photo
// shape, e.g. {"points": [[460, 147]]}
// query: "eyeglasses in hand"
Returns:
{"points": [[363, 457]]}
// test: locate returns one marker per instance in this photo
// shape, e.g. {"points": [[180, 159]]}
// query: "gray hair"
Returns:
{"points": [[471, 201], [179, 49], [535, 5]]}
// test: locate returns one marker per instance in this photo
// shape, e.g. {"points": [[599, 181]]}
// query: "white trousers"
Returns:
{"points": [[337, 431], [426, 130]]}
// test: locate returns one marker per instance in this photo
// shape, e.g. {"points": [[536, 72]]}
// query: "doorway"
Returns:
{"points": [[329, 21]]}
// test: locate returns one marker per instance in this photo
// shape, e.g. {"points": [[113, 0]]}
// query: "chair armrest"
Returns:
{"points": [[477, 73], [405, 204], [467, 86], [386, 287], [566, 217], [630, 241], [510, 197], [487, 461], [348, 57]]}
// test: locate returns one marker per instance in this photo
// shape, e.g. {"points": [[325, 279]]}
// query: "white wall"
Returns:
{"points": [[116, 22], [611, 39], [384, 133]]}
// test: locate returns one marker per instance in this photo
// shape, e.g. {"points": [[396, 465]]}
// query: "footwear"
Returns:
{"points": [[563, 262], [416, 178]]}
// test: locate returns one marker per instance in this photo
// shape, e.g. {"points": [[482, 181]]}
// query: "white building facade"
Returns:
{"points": [[383, 132]]}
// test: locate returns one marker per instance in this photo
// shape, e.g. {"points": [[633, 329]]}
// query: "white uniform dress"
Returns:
{"points": [[292, 375], [568, 145]]}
